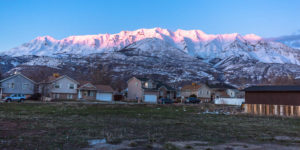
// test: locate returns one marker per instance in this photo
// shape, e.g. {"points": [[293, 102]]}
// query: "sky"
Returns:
{"points": [[24, 20]]}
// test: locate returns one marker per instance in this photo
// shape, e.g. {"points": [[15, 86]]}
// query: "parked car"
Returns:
{"points": [[15, 97], [166, 101], [193, 100]]}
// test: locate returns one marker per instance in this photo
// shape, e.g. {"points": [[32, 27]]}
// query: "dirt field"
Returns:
{"points": [[123, 126]]}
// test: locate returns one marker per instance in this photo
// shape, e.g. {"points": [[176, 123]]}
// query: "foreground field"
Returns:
{"points": [[73, 126]]}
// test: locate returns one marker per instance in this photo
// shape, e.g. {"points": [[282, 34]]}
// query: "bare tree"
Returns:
{"points": [[100, 75]]}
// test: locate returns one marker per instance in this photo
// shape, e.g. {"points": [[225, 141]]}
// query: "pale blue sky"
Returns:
{"points": [[23, 20]]}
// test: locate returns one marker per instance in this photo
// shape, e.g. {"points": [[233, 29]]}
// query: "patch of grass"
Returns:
{"points": [[132, 144], [68, 126], [169, 146], [188, 146]]}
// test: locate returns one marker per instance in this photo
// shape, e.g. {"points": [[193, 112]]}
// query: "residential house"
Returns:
{"points": [[226, 94], [222, 90], [104, 92], [17, 84], [202, 91], [89, 91], [148, 90], [59, 87]]}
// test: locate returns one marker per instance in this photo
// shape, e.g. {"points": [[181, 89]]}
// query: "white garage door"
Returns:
{"points": [[150, 98], [104, 96]]}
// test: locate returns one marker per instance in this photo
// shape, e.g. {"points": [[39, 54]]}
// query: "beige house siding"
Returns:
{"points": [[188, 93], [231, 93], [204, 92], [64, 86], [63, 96], [63, 92], [135, 89]]}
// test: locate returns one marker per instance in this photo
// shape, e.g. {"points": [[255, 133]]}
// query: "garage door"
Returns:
{"points": [[150, 98], [104, 96]]}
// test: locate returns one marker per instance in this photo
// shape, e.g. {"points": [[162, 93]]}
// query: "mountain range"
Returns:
{"points": [[175, 57]]}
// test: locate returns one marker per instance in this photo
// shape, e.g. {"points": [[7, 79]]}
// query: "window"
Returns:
{"points": [[56, 96], [25, 86], [57, 86], [146, 84], [70, 96], [71, 86], [161, 93], [137, 84], [91, 93], [11, 85]]}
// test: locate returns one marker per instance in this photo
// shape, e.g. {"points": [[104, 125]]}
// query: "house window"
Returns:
{"points": [[57, 86], [11, 85], [70, 96], [56, 96], [146, 85], [91, 93], [161, 93], [25, 86], [71, 86]]}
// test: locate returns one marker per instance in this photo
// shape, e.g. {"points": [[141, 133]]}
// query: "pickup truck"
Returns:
{"points": [[15, 97]]}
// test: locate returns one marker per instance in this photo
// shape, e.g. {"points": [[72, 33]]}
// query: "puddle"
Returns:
{"points": [[97, 141]]}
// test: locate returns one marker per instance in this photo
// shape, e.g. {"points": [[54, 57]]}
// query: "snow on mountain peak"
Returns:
{"points": [[191, 42], [252, 37]]}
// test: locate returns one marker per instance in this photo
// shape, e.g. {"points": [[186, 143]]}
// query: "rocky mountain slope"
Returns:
{"points": [[174, 57]]}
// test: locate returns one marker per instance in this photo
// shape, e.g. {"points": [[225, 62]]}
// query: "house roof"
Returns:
{"points": [[220, 86], [51, 79], [222, 94], [158, 84], [274, 88], [83, 86], [19, 74], [104, 88], [192, 87], [143, 79]]}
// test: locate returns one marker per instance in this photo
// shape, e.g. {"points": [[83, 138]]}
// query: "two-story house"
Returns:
{"points": [[59, 87], [17, 84], [148, 90]]}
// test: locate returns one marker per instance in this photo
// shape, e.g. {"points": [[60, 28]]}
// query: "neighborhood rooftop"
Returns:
{"points": [[276, 88]]}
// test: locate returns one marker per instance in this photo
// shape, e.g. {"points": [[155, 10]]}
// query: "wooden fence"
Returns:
{"points": [[272, 110]]}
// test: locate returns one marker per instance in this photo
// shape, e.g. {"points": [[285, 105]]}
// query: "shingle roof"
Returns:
{"points": [[191, 87], [142, 79], [104, 88], [19, 74], [277, 88], [51, 79], [84, 86]]}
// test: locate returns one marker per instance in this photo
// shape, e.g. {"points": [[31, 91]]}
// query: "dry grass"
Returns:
{"points": [[69, 126]]}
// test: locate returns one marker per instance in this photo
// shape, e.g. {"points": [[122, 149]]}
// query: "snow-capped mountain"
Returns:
{"points": [[290, 40], [192, 42], [175, 57]]}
